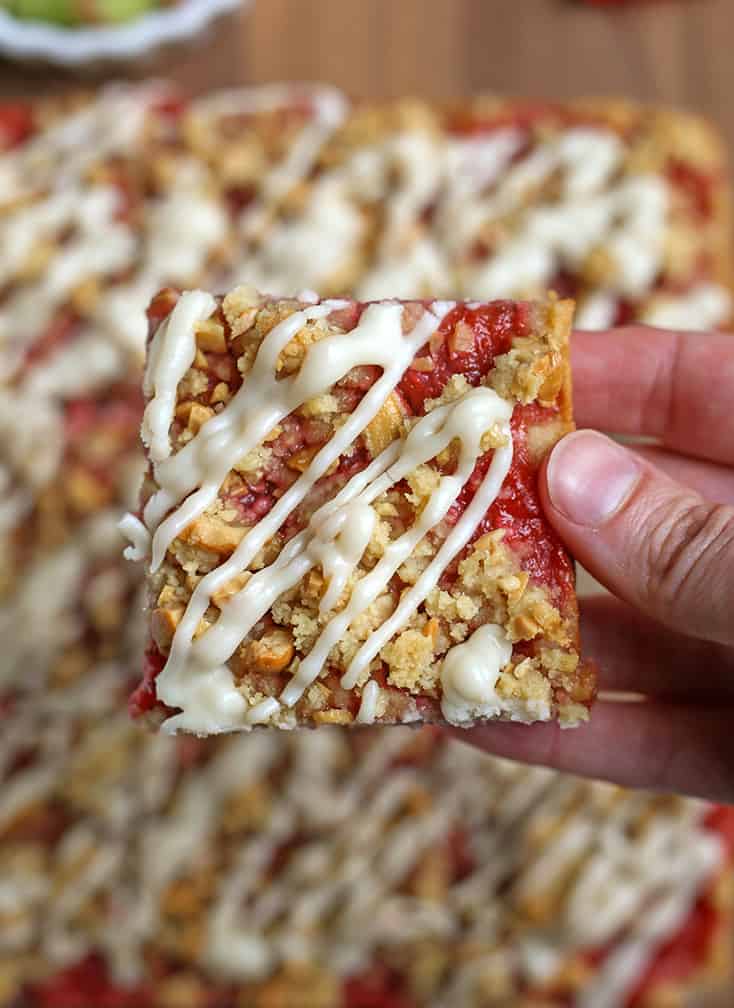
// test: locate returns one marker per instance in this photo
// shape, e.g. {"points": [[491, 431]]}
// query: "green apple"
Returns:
{"points": [[59, 11], [119, 10], [76, 12]]}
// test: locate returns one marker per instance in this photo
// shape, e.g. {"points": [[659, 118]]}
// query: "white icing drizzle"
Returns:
{"points": [[467, 420], [653, 925], [484, 407], [339, 540], [260, 403], [63, 151], [32, 644], [178, 234], [627, 220], [171, 354], [469, 674], [196, 678], [55, 204], [368, 706], [137, 535], [703, 307], [288, 247], [184, 226], [79, 367], [100, 246], [597, 311], [339, 899], [472, 186], [258, 406], [328, 111], [30, 451]]}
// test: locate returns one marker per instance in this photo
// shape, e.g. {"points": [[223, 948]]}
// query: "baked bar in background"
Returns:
{"points": [[622, 207], [343, 869], [342, 516]]}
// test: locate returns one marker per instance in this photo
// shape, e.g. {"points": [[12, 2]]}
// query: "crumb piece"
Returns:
{"points": [[292, 354], [194, 415], [493, 438], [378, 541], [272, 653], [240, 308], [192, 558], [423, 480], [333, 716], [387, 425], [451, 607], [410, 661], [458, 632], [210, 336], [411, 570], [525, 371], [533, 369], [535, 615], [461, 338], [374, 616], [320, 405], [254, 461], [163, 625], [317, 696], [222, 595], [558, 662], [193, 384], [301, 460], [572, 714], [455, 388], [524, 681], [305, 629], [220, 393], [213, 534]]}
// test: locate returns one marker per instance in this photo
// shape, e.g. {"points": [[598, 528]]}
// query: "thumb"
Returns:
{"points": [[651, 541]]}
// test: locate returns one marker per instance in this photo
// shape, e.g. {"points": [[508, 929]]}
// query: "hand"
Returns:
{"points": [[655, 525]]}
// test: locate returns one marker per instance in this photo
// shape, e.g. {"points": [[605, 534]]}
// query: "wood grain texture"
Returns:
{"points": [[672, 51]]}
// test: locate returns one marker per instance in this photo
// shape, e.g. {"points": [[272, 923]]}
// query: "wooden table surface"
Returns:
{"points": [[673, 51]]}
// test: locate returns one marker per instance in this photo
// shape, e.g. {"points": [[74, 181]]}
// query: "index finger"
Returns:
{"points": [[675, 386], [658, 746]]}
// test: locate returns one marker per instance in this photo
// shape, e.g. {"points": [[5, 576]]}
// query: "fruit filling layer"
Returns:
{"points": [[342, 516]]}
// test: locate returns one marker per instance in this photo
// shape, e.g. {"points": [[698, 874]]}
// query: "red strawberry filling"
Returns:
{"points": [[16, 124]]}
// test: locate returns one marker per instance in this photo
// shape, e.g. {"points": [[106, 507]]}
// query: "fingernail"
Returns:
{"points": [[590, 477]]}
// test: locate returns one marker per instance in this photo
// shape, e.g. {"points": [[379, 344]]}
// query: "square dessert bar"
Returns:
{"points": [[342, 515]]}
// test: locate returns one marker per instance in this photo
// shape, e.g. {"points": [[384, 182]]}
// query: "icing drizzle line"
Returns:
{"points": [[196, 678]]}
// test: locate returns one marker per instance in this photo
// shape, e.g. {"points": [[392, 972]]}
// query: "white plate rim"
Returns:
{"points": [[73, 46]]}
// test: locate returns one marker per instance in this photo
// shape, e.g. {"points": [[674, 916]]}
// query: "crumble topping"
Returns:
{"points": [[406, 628]]}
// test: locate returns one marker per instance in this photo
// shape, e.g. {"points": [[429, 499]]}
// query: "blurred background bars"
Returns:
{"points": [[669, 51], [676, 51]]}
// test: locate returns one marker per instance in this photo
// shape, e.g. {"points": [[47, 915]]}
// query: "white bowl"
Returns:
{"points": [[74, 46]]}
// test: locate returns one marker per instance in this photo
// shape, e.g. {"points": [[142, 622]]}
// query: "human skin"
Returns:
{"points": [[655, 525]]}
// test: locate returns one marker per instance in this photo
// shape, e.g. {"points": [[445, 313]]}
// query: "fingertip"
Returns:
{"points": [[650, 540], [536, 744], [668, 747], [589, 477]]}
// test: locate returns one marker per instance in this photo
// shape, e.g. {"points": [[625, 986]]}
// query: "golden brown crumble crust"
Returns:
{"points": [[488, 585]]}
